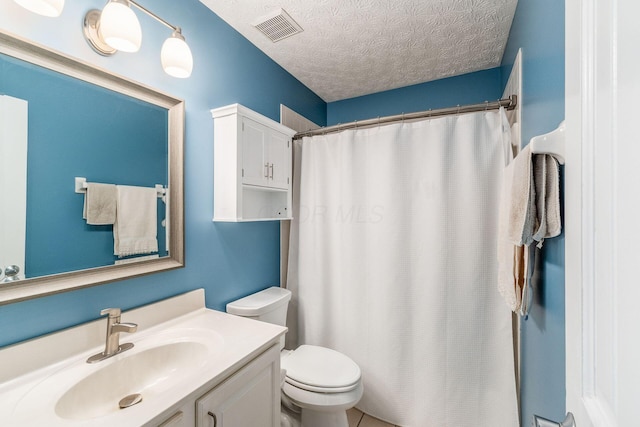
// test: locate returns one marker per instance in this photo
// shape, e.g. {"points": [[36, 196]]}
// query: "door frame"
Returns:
{"points": [[602, 89]]}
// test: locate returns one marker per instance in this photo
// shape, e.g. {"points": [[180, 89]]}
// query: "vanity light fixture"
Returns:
{"points": [[116, 28], [50, 8], [176, 56], [119, 26]]}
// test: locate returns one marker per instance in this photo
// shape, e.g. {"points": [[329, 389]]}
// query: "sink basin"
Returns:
{"points": [[148, 373], [155, 367]]}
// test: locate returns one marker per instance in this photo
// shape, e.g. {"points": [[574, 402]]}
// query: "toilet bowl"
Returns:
{"points": [[319, 383], [322, 382]]}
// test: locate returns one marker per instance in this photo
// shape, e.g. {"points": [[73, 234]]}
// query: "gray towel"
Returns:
{"points": [[529, 212], [535, 199], [547, 197], [100, 204]]}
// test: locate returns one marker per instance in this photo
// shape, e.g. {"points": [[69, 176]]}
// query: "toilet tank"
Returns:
{"points": [[269, 305]]}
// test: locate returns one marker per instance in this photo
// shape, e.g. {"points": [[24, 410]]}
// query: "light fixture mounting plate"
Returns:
{"points": [[92, 36]]}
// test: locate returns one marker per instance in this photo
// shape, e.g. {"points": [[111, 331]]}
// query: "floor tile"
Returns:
{"points": [[354, 416], [369, 421]]}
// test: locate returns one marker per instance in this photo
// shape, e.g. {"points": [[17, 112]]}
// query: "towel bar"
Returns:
{"points": [[550, 143], [81, 187]]}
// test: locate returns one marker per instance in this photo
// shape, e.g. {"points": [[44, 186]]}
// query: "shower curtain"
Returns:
{"points": [[393, 263]]}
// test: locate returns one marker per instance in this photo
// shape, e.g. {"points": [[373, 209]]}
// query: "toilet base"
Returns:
{"points": [[289, 419], [320, 409], [311, 418], [294, 416]]}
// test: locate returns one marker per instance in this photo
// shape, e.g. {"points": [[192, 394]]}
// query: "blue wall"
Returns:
{"points": [[469, 88], [77, 141], [538, 28], [228, 260]]}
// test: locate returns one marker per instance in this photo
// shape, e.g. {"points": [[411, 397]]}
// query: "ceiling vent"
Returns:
{"points": [[277, 25]]}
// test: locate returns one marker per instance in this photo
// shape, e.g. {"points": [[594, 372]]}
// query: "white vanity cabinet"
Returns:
{"points": [[252, 166], [178, 419], [250, 397]]}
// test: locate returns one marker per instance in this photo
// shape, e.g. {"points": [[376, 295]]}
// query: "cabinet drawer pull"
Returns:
{"points": [[215, 419], [271, 171], [266, 170]]}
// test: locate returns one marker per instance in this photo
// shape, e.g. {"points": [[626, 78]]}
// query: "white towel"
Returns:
{"points": [[135, 229], [529, 212], [510, 256], [521, 200], [100, 204]]}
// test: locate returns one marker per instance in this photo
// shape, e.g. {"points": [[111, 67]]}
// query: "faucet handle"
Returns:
{"points": [[112, 312]]}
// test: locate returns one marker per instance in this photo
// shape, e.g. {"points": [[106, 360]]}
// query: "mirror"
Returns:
{"points": [[82, 122]]}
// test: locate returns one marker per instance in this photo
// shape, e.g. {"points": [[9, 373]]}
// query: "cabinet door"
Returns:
{"points": [[176, 420], [255, 168], [279, 160], [250, 397]]}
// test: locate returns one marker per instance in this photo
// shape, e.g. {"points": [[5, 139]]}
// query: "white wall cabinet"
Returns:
{"points": [[266, 156], [252, 166]]}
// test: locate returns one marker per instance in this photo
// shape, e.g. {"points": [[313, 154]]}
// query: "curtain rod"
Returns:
{"points": [[508, 103]]}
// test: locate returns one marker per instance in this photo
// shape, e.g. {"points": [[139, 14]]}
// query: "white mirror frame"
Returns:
{"points": [[19, 48]]}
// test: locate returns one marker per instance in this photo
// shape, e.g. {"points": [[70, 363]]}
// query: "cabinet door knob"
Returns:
{"points": [[215, 419], [271, 170], [266, 170]]}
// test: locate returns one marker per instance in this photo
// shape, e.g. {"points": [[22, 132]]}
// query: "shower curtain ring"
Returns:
{"points": [[458, 109], [486, 105]]}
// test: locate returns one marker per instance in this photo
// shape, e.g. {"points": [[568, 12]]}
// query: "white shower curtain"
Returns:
{"points": [[393, 263]]}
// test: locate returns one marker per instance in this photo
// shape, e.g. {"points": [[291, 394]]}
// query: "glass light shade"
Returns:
{"points": [[176, 57], [119, 27], [51, 8]]}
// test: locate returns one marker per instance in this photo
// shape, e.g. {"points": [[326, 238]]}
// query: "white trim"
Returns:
{"points": [[14, 141], [601, 228], [514, 87]]}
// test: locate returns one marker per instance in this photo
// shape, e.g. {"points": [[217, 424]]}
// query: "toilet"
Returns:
{"points": [[318, 384]]}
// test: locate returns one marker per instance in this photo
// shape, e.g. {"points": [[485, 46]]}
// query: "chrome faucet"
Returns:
{"points": [[114, 327]]}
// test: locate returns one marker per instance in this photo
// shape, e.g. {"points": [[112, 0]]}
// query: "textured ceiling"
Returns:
{"points": [[356, 47]]}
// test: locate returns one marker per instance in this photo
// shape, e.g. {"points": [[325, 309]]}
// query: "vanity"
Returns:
{"points": [[190, 365]]}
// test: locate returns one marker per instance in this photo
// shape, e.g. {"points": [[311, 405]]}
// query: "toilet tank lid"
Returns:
{"points": [[260, 302]]}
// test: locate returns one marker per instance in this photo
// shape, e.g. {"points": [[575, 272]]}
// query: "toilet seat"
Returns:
{"points": [[319, 369], [323, 402]]}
